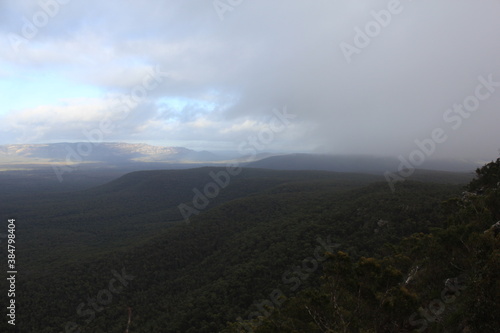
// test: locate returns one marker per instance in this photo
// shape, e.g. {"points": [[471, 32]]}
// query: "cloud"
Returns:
{"points": [[224, 77]]}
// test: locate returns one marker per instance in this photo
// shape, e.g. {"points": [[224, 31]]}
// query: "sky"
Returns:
{"points": [[353, 77]]}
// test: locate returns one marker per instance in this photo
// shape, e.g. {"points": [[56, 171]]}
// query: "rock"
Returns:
{"points": [[495, 228]]}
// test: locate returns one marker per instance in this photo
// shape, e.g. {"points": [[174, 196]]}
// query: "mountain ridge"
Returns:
{"points": [[107, 152], [353, 163]]}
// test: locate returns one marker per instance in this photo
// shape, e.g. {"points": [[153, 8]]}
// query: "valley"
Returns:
{"points": [[266, 240]]}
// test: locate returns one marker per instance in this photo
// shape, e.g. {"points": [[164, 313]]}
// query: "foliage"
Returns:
{"points": [[255, 250]]}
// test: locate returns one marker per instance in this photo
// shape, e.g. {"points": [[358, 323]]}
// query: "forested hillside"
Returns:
{"points": [[445, 280], [275, 252]]}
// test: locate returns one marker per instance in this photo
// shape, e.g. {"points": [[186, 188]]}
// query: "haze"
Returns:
{"points": [[221, 70]]}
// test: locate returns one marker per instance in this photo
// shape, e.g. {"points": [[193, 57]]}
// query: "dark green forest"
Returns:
{"points": [[274, 251]]}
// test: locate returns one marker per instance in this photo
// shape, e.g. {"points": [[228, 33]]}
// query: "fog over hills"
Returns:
{"points": [[356, 163], [60, 167], [120, 154], [249, 166]]}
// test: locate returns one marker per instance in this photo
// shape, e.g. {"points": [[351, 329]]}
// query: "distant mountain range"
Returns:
{"points": [[110, 153], [145, 156]]}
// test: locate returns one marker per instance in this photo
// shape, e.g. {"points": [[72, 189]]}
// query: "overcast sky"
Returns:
{"points": [[222, 68]]}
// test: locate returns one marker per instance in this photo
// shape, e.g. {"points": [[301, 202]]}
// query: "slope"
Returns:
{"points": [[196, 277], [135, 207]]}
